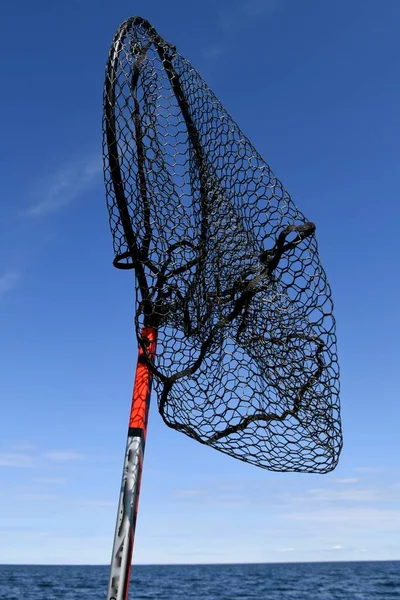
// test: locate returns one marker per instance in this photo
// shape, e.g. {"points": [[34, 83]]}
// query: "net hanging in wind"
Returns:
{"points": [[242, 345]]}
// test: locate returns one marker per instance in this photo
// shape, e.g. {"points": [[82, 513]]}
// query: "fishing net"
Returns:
{"points": [[227, 268]]}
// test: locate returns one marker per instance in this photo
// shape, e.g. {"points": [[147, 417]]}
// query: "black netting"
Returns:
{"points": [[227, 267]]}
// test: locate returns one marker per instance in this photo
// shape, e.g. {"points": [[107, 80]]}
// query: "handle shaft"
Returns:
{"points": [[121, 558]]}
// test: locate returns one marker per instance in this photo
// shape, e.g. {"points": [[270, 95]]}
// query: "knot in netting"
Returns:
{"points": [[227, 268]]}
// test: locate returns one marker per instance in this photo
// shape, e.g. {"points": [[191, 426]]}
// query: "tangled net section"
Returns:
{"points": [[227, 268]]}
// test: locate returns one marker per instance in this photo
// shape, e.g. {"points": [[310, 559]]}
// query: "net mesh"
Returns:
{"points": [[227, 268]]}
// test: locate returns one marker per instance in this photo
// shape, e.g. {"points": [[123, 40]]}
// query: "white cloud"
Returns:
{"points": [[32, 459], [65, 185], [16, 460], [347, 480], [232, 20], [258, 8], [214, 51], [24, 447], [187, 493], [39, 547], [364, 519], [372, 470], [51, 480], [8, 281], [345, 495], [96, 503], [37, 497], [63, 455]]}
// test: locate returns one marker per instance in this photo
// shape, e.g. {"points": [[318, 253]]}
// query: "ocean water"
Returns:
{"points": [[308, 581]]}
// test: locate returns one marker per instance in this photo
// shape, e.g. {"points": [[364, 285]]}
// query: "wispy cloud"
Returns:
{"points": [[350, 519], [347, 480], [37, 497], [16, 460], [214, 51], [51, 480], [187, 493], [22, 530], [334, 548], [372, 470], [96, 503], [230, 21], [329, 496], [246, 10], [33, 458], [257, 8], [63, 455], [24, 447], [65, 185], [8, 281]]}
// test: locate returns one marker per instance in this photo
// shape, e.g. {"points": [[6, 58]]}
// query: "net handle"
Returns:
{"points": [[121, 558]]}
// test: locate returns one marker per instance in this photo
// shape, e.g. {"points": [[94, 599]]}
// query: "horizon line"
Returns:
{"points": [[201, 564]]}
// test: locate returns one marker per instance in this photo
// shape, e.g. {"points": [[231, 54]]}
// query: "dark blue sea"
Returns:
{"points": [[308, 581]]}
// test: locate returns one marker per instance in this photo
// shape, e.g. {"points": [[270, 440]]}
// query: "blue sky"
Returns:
{"points": [[315, 86]]}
